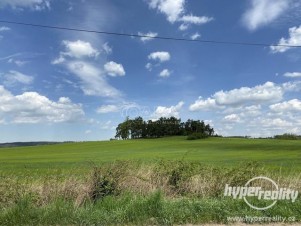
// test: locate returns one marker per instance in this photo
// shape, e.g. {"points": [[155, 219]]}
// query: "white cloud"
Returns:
{"points": [[276, 123], [171, 8], [108, 109], [191, 19], [93, 82], [165, 73], [149, 66], [201, 104], [107, 48], [287, 106], [293, 40], [76, 49], [59, 60], [183, 27], [268, 92], [161, 56], [162, 111], [31, 107], [292, 74], [13, 77], [150, 35], [4, 29], [253, 110], [244, 96], [37, 5], [114, 69], [195, 36], [292, 86], [174, 11], [232, 118], [79, 49], [264, 12]]}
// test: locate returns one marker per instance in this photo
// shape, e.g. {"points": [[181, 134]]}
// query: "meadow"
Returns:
{"points": [[140, 182], [214, 151]]}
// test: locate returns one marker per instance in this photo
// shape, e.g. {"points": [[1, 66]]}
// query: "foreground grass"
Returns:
{"points": [[138, 193], [131, 209]]}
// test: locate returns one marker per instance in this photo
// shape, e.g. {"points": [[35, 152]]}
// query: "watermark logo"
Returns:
{"points": [[132, 110], [265, 189]]}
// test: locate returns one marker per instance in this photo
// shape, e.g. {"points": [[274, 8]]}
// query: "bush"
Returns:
{"points": [[197, 136]]}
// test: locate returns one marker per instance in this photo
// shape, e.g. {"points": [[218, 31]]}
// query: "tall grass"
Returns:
{"points": [[134, 192]]}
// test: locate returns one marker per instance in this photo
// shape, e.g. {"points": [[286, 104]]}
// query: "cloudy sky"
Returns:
{"points": [[58, 85]]}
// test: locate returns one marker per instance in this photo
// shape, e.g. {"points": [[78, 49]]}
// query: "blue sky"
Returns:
{"points": [[60, 85]]}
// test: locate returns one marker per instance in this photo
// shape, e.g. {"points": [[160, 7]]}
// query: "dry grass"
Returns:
{"points": [[172, 178]]}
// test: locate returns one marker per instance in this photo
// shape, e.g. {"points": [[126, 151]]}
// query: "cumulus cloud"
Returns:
{"points": [[264, 12], [174, 111], [287, 106], [269, 92], [261, 93], [113, 69], [171, 8], [37, 5], [108, 109], [79, 49], [261, 106], [13, 77], [149, 36], [206, 105], [174, 11], [292, 74], [233, 118], [31, 107], [294, 39], [292, 86], [165, 73], [160, 56], [76, 49], [93, 82], [275, 123]]}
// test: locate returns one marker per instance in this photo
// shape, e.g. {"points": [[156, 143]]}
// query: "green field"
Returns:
{"points": [[162, 181], [215, 151]]}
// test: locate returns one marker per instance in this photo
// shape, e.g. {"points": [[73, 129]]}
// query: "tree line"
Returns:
{"points": [[138, 128]]}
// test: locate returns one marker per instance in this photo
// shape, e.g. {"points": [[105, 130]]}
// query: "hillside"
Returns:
{"points": [[273, 153]]}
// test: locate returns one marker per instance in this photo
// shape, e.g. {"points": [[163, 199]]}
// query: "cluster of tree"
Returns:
{"points": [[288, 136], [138, 128]]}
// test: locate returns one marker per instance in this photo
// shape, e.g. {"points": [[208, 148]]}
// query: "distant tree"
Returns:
{"points": [[123, 129], [138, 128]]}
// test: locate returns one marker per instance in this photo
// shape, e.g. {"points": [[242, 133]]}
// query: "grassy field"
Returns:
{"points": [[215, 151], [141, 182]]}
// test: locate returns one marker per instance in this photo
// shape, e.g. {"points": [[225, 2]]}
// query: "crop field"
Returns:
{"points": [[154, 181], [285, 154]]}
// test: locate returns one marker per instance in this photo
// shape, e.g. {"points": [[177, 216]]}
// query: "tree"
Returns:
{"points": [[138, 128]]}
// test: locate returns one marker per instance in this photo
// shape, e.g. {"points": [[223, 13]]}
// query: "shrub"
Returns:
{"points": [[196, 136]]}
